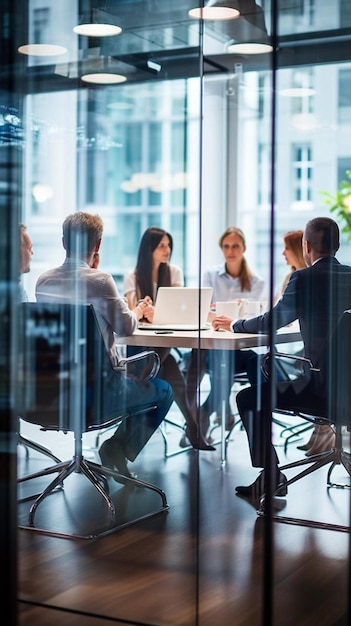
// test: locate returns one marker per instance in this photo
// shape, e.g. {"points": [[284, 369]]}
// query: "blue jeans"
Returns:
{"points": [[123, 396]]}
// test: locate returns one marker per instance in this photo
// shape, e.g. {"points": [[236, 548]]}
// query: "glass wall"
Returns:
{"points": [[130, 156], [164, 125]]}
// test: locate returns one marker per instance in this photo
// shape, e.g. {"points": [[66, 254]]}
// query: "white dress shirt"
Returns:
{"points": [[76, 282]]}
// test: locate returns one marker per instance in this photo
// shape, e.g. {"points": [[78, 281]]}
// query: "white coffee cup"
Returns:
{"points": [[228, 309], [250, 308]]}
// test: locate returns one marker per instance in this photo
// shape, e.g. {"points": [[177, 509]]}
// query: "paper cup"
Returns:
{"points": [[228, 309], [250, 308]]}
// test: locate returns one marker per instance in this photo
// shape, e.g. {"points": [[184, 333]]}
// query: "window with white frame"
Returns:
{"points": [[41, 23], [344, 95], [264, 182], [302, 176], [302, 81]]}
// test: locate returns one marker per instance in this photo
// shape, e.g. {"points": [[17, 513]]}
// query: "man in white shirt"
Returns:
{"points": [[78, 280]]}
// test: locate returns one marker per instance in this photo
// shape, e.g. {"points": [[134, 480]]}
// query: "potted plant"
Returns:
{"points": [[340, 203]]}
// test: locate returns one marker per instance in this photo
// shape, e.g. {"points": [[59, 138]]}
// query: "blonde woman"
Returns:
{"points": [[231, 280]]}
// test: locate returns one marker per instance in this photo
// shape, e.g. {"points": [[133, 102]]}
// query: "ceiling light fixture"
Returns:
{"points": [[121, 105], [97, 30], [297, 92], [249, 48], [104, 78], [216, 10], [42, 50], [95, 24]]}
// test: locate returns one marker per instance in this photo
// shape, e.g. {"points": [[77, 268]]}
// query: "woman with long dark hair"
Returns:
{"points": [[152, 271]]}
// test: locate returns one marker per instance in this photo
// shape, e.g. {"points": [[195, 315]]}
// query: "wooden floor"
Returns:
{"points": [[199, 563]]}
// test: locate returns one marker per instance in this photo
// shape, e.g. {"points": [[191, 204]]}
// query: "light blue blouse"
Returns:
{"points": [[227, 288]]}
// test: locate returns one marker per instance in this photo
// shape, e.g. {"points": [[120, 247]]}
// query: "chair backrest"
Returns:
{"points": [[65, 367], [339, 372]]}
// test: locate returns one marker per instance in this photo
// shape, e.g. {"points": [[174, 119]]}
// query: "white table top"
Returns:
{"points": [[208, 339]]}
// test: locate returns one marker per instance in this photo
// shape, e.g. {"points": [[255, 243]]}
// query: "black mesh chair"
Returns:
{"points": [[64, 383], [337, 374]]}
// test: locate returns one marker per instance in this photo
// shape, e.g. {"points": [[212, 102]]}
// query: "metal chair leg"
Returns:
{"points": [[335, 456], [95, 473], [27, 443], [165, 439]]}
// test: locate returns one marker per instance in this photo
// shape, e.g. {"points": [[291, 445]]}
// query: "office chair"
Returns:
{"points": [[33, 445], [64, 383], [338, 376], [242, 379]]}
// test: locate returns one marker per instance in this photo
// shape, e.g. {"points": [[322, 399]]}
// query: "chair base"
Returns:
{"points": [[295, 433], [27, 443], [96, 474], [335, 456]]}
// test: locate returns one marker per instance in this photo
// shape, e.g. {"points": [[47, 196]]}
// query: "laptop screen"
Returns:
{"points": [[186, 306]]}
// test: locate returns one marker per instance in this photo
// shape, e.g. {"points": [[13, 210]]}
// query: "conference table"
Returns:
{"points": [[209, 339]]}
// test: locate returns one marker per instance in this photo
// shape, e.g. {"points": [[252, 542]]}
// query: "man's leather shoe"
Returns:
{"points": [[277, 505], [112, 456], [256, 489]]}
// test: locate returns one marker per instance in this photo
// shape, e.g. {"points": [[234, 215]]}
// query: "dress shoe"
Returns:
{"points": [[256, 489], [324, 441], [196, 439], [197, 445], [310, 442], [112, 456], [277, 505]]}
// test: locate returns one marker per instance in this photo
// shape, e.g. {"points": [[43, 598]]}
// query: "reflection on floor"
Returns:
{"points": [[209, 545]]}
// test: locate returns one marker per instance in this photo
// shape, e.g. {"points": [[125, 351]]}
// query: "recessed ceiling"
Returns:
{"points": [[159, 42]]}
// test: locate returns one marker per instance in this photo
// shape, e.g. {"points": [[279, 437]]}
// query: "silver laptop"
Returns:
{"points": [[178, 308]]}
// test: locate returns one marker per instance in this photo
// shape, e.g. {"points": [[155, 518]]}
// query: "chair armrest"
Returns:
{"points": [[282, 355], [148, 372]]}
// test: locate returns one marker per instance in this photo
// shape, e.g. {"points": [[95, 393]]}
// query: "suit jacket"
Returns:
{"points": [[316, 296]]}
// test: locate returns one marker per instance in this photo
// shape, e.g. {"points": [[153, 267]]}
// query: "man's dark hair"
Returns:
{"points": [[323, 234], [81, 232]]}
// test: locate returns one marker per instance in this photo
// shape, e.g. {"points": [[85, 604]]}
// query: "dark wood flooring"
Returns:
{"points": [[199, 563]]}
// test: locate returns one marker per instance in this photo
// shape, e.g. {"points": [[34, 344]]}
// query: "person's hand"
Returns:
{"points": [[149, 312], [145, 309], [222, 323]]}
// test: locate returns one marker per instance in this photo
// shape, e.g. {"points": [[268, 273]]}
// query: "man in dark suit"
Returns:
{"points": [[316, 296]]}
